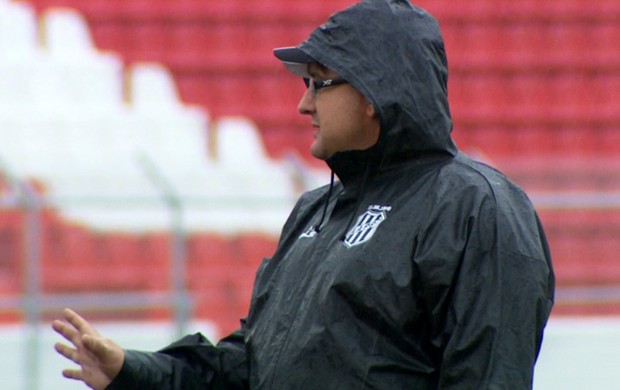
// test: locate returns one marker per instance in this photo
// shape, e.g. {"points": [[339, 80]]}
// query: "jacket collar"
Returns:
{"points": [[350, 166]]}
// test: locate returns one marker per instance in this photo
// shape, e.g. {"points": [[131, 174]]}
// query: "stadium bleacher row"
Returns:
{"points": [[501, 62], [513, 65], [534, 89], [108, 150], [75, 259]]}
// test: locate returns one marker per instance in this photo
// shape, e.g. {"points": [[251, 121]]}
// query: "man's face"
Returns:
{"points": [[344, 119]]}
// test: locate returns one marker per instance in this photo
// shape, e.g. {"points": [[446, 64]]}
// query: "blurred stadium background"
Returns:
{"points": [[150, 151]]}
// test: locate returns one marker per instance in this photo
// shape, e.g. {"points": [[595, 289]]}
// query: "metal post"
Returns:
{"points": [[28, 200], [177, 250], [178, 271], [32, 281]]}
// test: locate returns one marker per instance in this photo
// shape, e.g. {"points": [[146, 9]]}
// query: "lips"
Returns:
{"points": [[315, 134]]}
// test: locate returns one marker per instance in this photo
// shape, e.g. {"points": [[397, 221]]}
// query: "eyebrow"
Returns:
{"points": [[315, 70], [312, 71]]}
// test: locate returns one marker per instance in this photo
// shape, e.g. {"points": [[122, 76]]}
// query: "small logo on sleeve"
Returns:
{"points": [[309, 233]]}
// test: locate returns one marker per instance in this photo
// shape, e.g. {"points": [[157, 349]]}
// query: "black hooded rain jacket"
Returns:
{"points": [[429, 270]]}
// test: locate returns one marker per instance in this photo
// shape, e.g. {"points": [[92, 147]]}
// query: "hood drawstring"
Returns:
{"points": [[381, 156], [319, 226], [359, 199]]}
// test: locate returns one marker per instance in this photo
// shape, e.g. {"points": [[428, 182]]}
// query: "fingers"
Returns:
{"points": [[81, 334], [67, 331], [73, 355], [94, 345], [78, 322], [73, 374], [99, 359], [68, 352], [74, 327]]}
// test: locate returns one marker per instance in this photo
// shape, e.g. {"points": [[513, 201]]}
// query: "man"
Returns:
{"points": [[417, 269]]}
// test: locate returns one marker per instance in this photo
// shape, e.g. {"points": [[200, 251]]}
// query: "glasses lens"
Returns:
{"points": [[307, 82]]}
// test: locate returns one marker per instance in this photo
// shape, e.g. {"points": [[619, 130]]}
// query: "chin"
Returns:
{"points": [[317, 152], [319, 156]]}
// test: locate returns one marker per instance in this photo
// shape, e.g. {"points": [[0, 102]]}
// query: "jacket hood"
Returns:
{"points": [[393, 53]]}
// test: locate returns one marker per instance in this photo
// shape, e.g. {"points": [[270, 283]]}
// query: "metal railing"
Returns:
{"points": [[33, 304]]}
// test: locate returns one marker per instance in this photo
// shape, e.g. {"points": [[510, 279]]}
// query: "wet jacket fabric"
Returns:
{"points": [[428, 271]]}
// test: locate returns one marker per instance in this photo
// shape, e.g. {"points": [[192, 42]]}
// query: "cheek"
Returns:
{"points": [[334, 127], [342, 126], [327, 121]]}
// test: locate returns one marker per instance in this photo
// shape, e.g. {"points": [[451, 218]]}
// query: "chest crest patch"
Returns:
{"points": [[366, 225]]}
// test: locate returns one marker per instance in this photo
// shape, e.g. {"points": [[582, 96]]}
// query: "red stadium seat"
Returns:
{"points": [[530, 81], [11, 250], [210, 261]]}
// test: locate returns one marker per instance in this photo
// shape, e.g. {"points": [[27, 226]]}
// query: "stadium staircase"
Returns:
{"points": [[534, 89]]}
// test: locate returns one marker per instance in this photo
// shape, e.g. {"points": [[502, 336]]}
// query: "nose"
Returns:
{"points": [[306, 104]]}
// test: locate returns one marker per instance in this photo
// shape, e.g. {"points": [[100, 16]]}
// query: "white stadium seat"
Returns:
{"points": [[110, 144]]}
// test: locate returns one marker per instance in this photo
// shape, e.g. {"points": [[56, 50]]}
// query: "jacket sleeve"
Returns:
{"points": [[189, 363], [488, 283]]}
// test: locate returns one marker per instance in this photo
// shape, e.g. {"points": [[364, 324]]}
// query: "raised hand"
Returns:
{"points": [[100, 359]]}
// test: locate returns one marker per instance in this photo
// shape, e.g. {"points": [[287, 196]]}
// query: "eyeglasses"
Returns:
{"points": [[320, 84]]}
